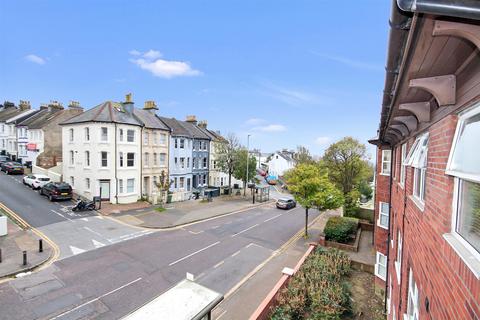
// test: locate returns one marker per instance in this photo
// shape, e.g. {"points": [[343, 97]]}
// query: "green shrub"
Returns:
{"points": [[340, 229], [318, 290]]}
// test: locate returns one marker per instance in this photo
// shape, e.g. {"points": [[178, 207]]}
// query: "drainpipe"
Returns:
{"points": [[389, 225], [116, 177], [469, 9], [141, 162]]}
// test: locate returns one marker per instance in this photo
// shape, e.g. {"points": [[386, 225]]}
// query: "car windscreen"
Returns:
{"points": [[43, 179]]}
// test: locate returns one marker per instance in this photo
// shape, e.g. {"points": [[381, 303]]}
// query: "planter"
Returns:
{"points": [[344, 246]]}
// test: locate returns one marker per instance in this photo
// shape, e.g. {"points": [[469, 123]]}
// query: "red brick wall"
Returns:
{"points": [[451, 288]]}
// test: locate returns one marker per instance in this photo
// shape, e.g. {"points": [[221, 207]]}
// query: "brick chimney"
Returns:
{"points": [[55, 105], [191, 119], [8, 104], [24, 105], [203, 124], [128, 104], [151, 106]]}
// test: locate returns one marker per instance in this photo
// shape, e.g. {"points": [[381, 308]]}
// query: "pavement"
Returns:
{"points": [[182, 213], [12, 246], [113, 280], [73, 232], [241, 303]]}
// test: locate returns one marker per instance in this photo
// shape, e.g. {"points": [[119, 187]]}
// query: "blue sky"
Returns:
{"points": [[287, 72]]}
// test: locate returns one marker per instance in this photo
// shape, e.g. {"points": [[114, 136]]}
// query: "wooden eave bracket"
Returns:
{"points": [[395, 132], [409, 121], [421, 110], [400, 127], [462, 30], [443, 88]]}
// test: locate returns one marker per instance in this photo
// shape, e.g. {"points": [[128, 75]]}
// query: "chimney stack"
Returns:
{"points": [[128, 104], [74, 105], [24, 105], [43, 106], [191, 119], [150, 106], [8, 104], [203, 124]]}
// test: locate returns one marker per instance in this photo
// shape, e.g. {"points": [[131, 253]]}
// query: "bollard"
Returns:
{"points": [[40, 245], [24, 258]]}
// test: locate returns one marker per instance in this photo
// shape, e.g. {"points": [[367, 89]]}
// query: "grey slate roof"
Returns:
{"points": [[8, 113], [217, 136], [176, 128], [108, 111], [149, 119], [195, 131], [41, 118], [23, 115]]}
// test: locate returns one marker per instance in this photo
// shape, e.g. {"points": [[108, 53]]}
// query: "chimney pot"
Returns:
{"points": [[128, 104], [191, 119], [24, 105], [203, 124]]}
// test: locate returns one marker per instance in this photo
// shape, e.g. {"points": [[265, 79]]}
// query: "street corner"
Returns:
{"points": [[22, 251]]}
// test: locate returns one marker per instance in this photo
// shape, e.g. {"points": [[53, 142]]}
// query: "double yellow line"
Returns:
{"points": [[26, 226]]}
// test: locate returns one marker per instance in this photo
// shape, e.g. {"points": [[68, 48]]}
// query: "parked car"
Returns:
{"points": [[12, 168], [284, 203], [36, 181], [261, 172], [56, 191], [4, 159]]}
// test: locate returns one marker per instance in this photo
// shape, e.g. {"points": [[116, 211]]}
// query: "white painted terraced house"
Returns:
{"points": [[102, 152]]}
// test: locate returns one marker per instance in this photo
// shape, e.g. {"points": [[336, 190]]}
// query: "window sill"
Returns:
{"points": [[418, 203], [402, 185], [379, 225], [467, 257], [385, 174], [378, 274]]}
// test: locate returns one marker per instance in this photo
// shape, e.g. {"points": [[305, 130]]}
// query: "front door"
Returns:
{"points": [[105, 189], [146, 186]]}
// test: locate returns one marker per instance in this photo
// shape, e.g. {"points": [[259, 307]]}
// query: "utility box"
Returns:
{"points": [[3, 226]]}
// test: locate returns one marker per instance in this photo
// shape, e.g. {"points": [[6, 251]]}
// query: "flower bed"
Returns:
{"points": [[318, 290], [341, 229]]}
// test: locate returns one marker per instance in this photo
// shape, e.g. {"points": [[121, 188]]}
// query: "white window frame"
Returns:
{"points": [[104, 137], [70, 135], [146, 159], [127, 160], [163, 139], [155, 159], [382, 172], [413, 299], [403, 166], [120, 135], [163, 159], [120, 186], [132, 189], [417, 153], [130, 135], [146, 137], [380, 213], [101, 159], [72, 181], [398, 257], [72, 157], [87, 184], [87, 158], [87, 134], [389, 296], [377, 264], [419, 190]]}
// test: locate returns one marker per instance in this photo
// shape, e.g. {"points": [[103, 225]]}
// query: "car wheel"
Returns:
{"points": [[40, 192], [50, 197], [24, 182]]}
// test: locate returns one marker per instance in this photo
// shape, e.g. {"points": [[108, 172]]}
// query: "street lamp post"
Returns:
{"points": [[246, 176]]}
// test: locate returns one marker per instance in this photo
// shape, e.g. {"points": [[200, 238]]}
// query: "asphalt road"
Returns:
{"points": [[73, 232], [111, 281]]}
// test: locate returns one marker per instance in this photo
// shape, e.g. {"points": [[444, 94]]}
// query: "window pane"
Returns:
{"points": [[466, 156], [468, 219]]}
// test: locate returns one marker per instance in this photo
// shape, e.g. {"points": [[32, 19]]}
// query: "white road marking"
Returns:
{"points": [[193, 232], [233, 255], [97, 244], [191, 254], [215, 227], [76, 250], [278, 215], [61, 215], [218, 264], [96, 299], [236, 234]]}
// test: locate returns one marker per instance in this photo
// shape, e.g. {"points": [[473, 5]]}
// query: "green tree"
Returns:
{"points": [[312, 189], [163, 184], [226, 154], [240, 166], [302, 155]]}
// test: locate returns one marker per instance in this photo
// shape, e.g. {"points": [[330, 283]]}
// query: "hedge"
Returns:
{"points": [[318, 290], [340, 229]]}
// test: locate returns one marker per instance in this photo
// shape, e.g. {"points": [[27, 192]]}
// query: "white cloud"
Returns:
{"points": [[254, 121], [162, 68], [35, 59], [351, 63], [321, 141], [272, 128], [293, 97], [135, 52]]}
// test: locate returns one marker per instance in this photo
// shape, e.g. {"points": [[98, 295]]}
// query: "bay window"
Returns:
{"points": [[417, 158], [464, 165], [386, 160]]}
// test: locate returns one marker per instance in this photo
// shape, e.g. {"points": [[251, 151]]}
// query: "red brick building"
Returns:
{"points": [[427, 199]]}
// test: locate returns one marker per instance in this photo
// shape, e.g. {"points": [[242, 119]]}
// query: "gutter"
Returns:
{"points": [[469, 9]]}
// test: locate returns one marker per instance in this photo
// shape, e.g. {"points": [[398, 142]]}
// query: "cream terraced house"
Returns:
{"points": [[154, 145], [102, 150]]}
